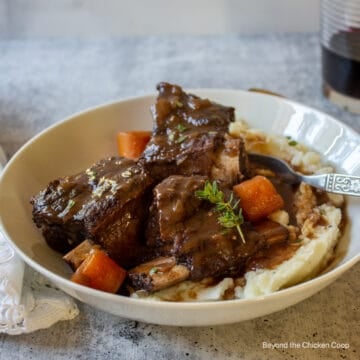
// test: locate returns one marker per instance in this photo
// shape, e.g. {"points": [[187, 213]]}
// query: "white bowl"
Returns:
{"points": [[75, 143]]}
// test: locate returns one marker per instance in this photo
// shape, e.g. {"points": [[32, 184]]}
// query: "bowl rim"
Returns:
{"points": [[327, 276], [331, 274]]}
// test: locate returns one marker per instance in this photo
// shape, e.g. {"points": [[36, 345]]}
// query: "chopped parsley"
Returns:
{"points": [[91, 174], [171, 136], [70, 204], [126, 174], [177, 135], [180, 139], [181, 128], [291, 142], [153, 270]]}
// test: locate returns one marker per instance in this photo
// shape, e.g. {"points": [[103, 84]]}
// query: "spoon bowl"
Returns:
{"points": [[333, 183]]}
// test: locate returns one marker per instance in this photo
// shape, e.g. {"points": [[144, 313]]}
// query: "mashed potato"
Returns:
{"points": [[318, 238], [307, 261]]}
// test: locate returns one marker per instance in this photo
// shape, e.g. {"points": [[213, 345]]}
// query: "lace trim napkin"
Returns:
{"points": [[28, 301]]}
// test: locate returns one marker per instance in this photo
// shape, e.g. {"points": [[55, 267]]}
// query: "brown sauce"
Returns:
{"points": [[273, 256]]}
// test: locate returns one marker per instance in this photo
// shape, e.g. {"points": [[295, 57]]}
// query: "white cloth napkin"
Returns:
{"points": [[28, 301]]}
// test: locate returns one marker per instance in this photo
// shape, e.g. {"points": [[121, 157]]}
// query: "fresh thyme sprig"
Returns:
{"points": [[230, 214]]}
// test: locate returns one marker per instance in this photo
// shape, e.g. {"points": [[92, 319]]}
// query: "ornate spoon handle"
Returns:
{"points": [[336, 183], [343, 184]]}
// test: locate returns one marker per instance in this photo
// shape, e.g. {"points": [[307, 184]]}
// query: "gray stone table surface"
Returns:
{"points": [[43, 81]]}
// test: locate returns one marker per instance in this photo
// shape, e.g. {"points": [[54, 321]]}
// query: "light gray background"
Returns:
{"points": [[86, 18], [42, 81]]}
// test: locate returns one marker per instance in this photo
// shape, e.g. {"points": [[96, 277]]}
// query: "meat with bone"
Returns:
{"points": [[183, 227], [109, 202], [158, 274], [106, 204], [190, 137]]}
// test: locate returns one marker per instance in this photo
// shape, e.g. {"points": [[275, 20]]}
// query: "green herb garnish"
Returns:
{"points": [[153, 270], [67, 208], [291, 142], [230, 214], [171, 136], [179, 104], [126, 174], [180, 139], [91, 174], [181, 127]]}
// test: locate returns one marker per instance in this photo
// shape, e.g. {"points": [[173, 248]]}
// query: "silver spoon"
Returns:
{"points": [[334, 183]]}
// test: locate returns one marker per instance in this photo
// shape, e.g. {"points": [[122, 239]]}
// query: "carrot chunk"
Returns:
{"points": [[80, 278], [131, 144], [258, 198], [100, 272]]}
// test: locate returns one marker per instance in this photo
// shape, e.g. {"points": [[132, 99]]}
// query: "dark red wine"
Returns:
{"points": [[342, 72]]}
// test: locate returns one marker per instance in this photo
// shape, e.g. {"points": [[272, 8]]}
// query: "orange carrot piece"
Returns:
{"points": [[131, 144], [258, 198], [100, 272], [80, 278]]}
